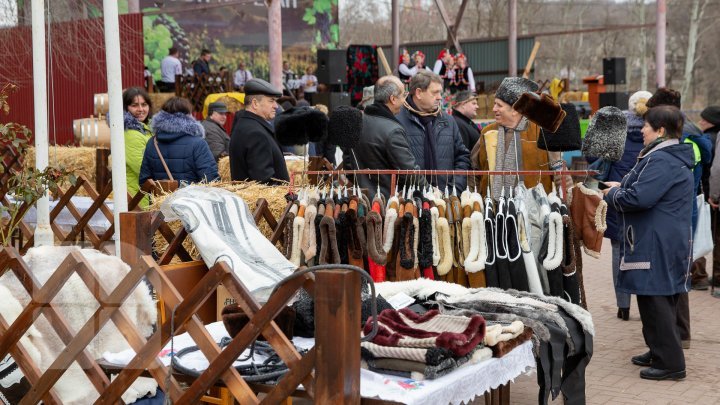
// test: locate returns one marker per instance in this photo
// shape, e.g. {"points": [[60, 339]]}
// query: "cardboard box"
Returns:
{"points": [[223, 299]]}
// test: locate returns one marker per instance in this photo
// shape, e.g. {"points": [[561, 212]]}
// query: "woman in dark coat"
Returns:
{"points": [[654, 205], [180, 140]]}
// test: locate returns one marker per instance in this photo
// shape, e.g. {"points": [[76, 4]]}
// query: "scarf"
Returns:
{"points": [[651, 146], [506, 160], [427, 119]]}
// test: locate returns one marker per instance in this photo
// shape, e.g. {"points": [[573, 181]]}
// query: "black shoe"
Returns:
{"points": [[643, 360], [656, 374], [624, 313]]}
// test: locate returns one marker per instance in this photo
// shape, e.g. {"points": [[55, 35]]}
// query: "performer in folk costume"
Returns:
{"points": [[419, 59], [444, 67], [464, 78], [404, 70]]}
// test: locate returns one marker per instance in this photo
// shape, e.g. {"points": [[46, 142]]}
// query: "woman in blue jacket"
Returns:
{"points": [[654, 206], [181, 141]]}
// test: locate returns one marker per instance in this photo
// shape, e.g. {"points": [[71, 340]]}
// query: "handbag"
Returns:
{"points": [[162, 160], [702, 237]]}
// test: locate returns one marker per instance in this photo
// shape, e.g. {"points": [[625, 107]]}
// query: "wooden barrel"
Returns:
{"points": [[92, 132], [102, 104]]}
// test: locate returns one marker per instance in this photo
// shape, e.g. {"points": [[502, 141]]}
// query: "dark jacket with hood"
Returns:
{"points": [[254, 153], [654, 203], [382, 146], [182, 144], [618, 170], [469, 131], [444, 137]]}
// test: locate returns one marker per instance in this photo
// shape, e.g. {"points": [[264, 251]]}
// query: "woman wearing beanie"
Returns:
{"points": [[618, 170], [654, 202]]}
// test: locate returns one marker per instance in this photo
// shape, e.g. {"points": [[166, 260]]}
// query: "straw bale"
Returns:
{"points": [[233, 105], [292, 165], [224, 168], [80, 159], [248, 191], [158, 99]]}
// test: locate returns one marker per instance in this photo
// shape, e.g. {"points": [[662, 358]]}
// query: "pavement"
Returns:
{"points": [[611, 378]]}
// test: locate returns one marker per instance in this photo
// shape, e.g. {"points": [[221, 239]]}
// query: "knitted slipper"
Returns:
{"points": [[374, 238]]}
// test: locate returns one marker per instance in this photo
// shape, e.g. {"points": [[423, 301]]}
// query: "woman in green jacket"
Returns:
{"points": [[137, 106]]}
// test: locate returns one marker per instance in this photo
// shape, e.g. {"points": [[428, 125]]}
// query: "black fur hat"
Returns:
{"points": [[605, 136], [541, 109], [300, 125], [346, 126], [512, 88], [567, 137]]}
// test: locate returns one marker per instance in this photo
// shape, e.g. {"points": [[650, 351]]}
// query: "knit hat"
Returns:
{"points": [[711, 114], [567, 137], [605, 136], [462, 97], [512, 88], [664, 96], [637, 104]]}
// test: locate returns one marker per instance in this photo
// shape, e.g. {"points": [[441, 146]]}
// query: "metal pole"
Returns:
{"points": [[512, 38], [396, 33], [117, 137], [43, 232], [275, 42], [660, 30]]}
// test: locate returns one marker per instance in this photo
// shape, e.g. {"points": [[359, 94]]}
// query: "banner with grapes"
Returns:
{"points": [[236, 31]]}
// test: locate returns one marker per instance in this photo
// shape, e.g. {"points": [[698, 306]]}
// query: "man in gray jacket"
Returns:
{"points": [[215, 135], [433, 135], [383, 144]]}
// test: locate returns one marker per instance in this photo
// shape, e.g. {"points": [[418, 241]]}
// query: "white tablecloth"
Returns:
{"points": [[98, 222], [462, 385]]}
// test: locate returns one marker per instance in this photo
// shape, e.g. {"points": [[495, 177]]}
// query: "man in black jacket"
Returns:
{"points": [[254, 153], [383, 144], [464, 110], [432, 134]]}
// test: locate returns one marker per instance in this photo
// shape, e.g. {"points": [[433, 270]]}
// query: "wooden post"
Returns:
{"points": [[136, 234], [512, 38], [101, 168], [337, 337], [275, 42]]}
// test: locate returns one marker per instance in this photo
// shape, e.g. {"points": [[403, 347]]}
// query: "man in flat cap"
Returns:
{"points": [[510, 143], [464, 109], [215, 135], [254, 153]]}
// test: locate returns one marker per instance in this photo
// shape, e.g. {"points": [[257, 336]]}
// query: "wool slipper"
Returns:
{"points": [[475, 260], [425, 248], [444, 243], [329, 251], [391, 215], [554, 243], [434, 215], [374, 238], [289, 227], [297, 231], [407, 238], [416, 239], [308, 243]]}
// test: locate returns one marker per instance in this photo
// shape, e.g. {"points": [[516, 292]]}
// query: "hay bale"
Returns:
{"points": [[224, 168], [233, 105], [158, 99], [248, 191], [80, 159]]}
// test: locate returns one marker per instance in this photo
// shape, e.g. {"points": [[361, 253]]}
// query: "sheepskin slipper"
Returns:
{"points": [[343, 230], [477, 255], [297, 233], [391, 215], [425, 248], [541, 109], [374, 238], [328, 250], [407, 240], [435, 244], [308, 243]]}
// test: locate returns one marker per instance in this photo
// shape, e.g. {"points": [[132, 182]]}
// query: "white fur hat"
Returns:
{"points": [[636, 103]]}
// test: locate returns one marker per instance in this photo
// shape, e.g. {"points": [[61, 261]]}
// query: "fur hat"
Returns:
{"points": [[345, 128], [637, 104], [711, 114], [541, 109], [605, 136], [664, 96], [300, 125], [512, 88], [567, 137]]}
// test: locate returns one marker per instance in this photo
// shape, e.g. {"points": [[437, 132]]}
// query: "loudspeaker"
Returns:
{"points": [[331, 100], [331, 66], [619, 100], [614, 70]]}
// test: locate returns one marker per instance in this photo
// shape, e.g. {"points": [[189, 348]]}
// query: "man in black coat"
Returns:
{"points": [[254, 153], [383, 144], [464, 110]]}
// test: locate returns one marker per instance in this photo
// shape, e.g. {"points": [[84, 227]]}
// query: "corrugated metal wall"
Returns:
{"points": [[70, 91], [487, 58]]}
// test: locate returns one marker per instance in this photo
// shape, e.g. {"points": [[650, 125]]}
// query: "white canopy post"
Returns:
{"points": [[43, 232], [117, 137]]}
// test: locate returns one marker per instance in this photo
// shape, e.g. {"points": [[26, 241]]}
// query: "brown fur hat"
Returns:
{"points": [[541, 109]]}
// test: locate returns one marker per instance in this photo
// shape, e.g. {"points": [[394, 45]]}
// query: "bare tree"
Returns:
{"points": [[694, 33]]}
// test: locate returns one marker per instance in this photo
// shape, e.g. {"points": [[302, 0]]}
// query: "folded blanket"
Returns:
{"points": [[421, 371]]}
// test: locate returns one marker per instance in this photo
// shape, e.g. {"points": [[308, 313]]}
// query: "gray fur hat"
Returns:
{"points": [[512, 88], [605, 137]]}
